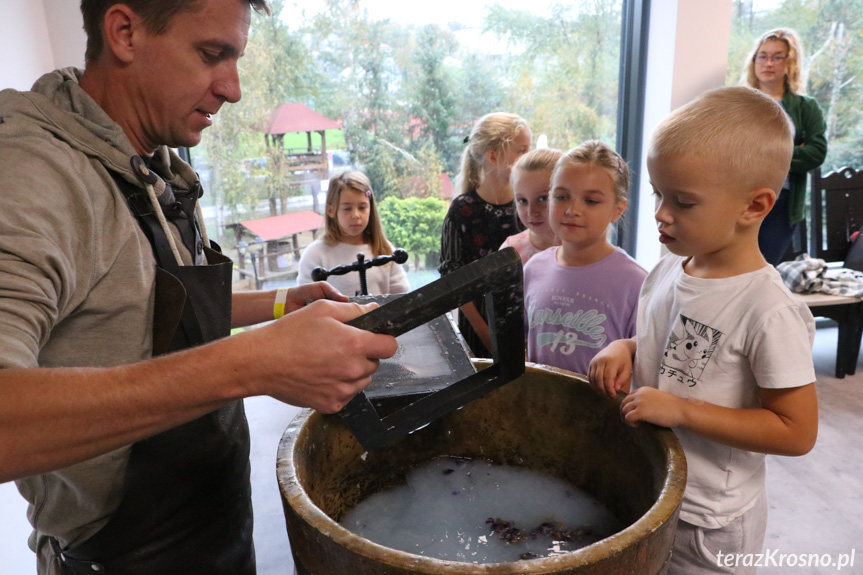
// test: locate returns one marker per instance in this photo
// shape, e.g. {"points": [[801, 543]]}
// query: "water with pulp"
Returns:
{"points": [[479, 512]]}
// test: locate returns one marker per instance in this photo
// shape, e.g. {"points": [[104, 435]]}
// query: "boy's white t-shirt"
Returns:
{"points": [[718, 341], [385, 279]]}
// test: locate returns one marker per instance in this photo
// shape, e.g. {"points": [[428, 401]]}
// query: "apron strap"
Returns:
{"points": [[142, 209]]}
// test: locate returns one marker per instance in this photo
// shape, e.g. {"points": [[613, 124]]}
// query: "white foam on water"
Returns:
{"points": [[442, 511]]}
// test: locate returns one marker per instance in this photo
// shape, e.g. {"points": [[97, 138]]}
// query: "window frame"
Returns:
{"points": [[634, 38]]}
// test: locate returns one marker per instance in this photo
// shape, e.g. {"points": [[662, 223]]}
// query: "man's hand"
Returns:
{"points": [[301, 296], [310, 358]]}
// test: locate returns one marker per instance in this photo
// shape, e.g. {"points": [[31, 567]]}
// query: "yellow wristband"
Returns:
{"points": [[279, 306]]}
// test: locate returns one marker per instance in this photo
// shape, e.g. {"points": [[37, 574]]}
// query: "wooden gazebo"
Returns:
{"points": [[273, 237], [306, 166]]}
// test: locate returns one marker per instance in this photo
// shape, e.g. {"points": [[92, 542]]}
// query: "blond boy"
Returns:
{"points": [[723, 349]]}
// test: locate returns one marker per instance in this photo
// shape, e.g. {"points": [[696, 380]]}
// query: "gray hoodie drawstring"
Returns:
{"points": [[154, 201]]}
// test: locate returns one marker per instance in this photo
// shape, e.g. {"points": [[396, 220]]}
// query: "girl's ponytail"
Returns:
{"points": [[469, 176]]}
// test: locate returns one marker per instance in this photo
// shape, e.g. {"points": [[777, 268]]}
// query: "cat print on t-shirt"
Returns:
{"points": [[688, 352]]}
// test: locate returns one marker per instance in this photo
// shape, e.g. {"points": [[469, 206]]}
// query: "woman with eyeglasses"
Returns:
{"points": [[775, 68]]}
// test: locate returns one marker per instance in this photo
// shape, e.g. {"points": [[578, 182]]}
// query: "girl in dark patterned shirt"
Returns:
{"points": [[482, 216]]}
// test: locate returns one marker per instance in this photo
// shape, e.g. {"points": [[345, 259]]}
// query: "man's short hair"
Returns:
{"points": [[156, 15], [738, 131]]}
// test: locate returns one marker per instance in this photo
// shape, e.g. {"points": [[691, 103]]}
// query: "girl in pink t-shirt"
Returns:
{"points": [[582, 295], [531, 180]]}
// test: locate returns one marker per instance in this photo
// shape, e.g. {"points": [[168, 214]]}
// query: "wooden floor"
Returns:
{"points": [[816, 501]]}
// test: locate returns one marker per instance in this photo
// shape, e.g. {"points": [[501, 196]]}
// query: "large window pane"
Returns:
{"points": [[830, 32], [405, 82]]}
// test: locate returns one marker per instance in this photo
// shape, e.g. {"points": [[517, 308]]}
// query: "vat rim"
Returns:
{"points": [[655, 518]]}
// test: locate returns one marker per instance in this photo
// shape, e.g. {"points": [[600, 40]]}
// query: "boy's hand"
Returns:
{"points": [[785, 424], [653, 406], [611, 369]]}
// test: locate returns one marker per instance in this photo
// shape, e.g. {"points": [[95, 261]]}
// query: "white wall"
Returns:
{"points": [[36, 37], [66, 29], [25, 47], [687, 54]]}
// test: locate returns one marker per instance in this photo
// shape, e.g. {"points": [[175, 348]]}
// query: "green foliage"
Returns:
{"points": [[399, 89], [567, 76], [355, 59], [273, 71], [385, 167], [407, 95], [426, 177], [430, 89], [479, 89], [414, 224], [396, 172]]}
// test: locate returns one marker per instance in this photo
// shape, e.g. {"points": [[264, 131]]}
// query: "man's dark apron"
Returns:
{"points": [[186, 507]]}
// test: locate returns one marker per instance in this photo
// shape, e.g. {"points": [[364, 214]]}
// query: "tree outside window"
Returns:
{"points": [[406, 93]]}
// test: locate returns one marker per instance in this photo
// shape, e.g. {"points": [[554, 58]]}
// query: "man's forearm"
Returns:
{"points": [[51, 418], [253, 307], [54, 417]]}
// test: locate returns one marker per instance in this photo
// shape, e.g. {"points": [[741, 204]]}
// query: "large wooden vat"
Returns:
{"points": [[548, 420]]}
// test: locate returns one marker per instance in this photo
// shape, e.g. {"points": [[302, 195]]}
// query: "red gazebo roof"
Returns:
{"points": [[295, 117], [278, 227]]}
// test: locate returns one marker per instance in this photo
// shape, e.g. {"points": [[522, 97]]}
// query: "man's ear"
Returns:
{"points": [[122, 30], [761, 201]]}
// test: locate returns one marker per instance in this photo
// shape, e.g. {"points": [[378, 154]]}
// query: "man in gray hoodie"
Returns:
{"points": [[120, 411]]}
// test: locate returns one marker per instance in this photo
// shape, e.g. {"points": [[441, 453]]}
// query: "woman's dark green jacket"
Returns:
{"points": [[810, 148]]}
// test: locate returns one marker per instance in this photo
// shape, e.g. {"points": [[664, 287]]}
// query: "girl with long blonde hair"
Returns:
{"points": [[482, 216]]}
